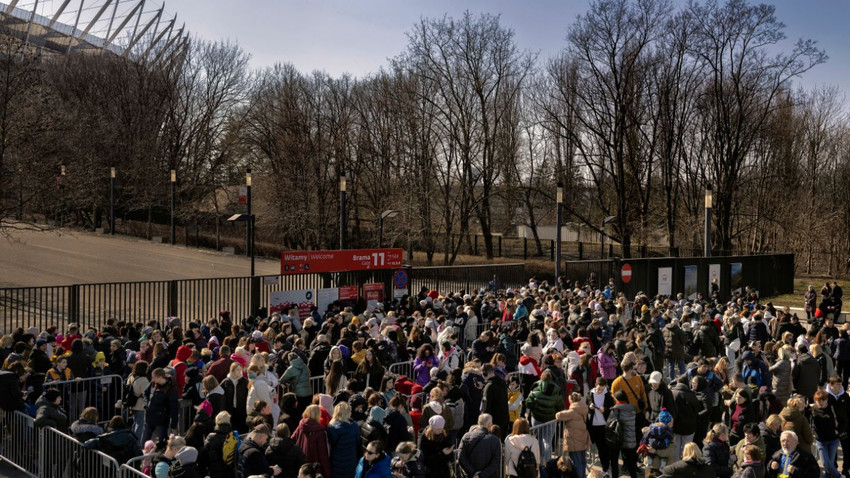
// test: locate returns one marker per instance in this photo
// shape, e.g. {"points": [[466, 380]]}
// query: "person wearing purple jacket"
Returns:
{"points": [[423, 364], [607, 362]]}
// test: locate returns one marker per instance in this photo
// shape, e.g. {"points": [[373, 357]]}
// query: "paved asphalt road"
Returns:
{"points": [[73, 257]]}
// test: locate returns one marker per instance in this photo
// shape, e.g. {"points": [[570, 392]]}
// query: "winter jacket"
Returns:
{"points": [[422, 369], [717, 454], [634, 390], [162, 407], [826, 422], [658, 400], [213, 454], [40, 362], [259, 391], [496, 402], [688, 408], [121, 444], [806, 374], [84, 430], [625, 412], [252, 460], [283, 452], [576, 437], [805, 465], [379, 469], [435, 461], [544, 401], [800, 426], [312, 438], [695, 468], [781, 380], [607, 365], [344, 441], [50, 415], [299, 376], [11, 395], [220, 368], [235, 395], [675, 341], [396, 426], [514, 445], [480, 452], [413, 467], [707, 341], [750, 469]]}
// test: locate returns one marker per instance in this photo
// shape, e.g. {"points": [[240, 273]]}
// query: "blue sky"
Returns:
{"points": [[358, 36]]}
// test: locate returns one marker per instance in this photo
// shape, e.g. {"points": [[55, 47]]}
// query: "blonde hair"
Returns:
{"points": [[313, 412], [342, 412], [773, 420], [784, 353], [717, 430], [796, 403], [222, 417], [816, 350], [691, 451]]}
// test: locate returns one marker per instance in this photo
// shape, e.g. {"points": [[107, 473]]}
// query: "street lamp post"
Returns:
{"points": [[388, 214], [342, 188], [173, 227], [602, 243], [709, 197], [250, 219], [62, 194], [112, 200], [559, 222]]}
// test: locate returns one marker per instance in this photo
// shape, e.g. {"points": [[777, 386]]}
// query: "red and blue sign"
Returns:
{"points": [[400, 279]]}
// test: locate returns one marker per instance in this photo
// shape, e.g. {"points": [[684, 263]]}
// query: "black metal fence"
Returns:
{"points": [[199, 299], [769, 274]]}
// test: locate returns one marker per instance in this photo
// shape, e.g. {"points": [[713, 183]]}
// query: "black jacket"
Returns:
{"points": [[212, 457], [688, 408], [283, 452], [716, 453], [238, 413], [496, 402], [826, 423], [805, 465], [39, 361], [252, 460], [658, 400], [316, 363], [80, 364], [696, 468], [11, 395], [84, 430], [122, 445], [162, 407], [480, 453], [49, 415], [396, 427]]}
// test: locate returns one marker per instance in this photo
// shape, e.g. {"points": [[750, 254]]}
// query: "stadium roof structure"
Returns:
{"points": [[136, 29]]}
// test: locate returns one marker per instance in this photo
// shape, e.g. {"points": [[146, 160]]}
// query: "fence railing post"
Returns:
{"points": [[500, 245], [552, 250], [476, 244], [256, 284], [580, 250], [525, 248], [74, 303], [173, 299]]}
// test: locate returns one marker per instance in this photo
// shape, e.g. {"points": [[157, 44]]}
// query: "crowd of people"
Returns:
{"points": [[543, 380]]}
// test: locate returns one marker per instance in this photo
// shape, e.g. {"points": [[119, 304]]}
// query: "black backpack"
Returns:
{"points": [[129, 398], [614, 432], [526, 464], [179, 470]]}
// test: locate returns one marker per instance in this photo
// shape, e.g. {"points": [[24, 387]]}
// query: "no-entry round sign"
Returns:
{"points": [[626, 273]]}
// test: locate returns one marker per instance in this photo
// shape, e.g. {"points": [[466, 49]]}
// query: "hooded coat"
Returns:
{"points": [[781, 380], [344, 442], [120, 444], [800, 425], [576, 437], [213, 455], [496, 402], [675, 340], [688, 407], [50, 415], [626, 413], [299, 376], [311, 437], [544, 401], [379, 469]]}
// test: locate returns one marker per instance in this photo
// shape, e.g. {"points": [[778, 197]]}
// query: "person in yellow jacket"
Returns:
{"points": [[59, 371], [514, 399]]}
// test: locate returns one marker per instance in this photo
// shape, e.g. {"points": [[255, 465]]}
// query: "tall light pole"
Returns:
{"points": [[112, 200], [62, 194], [558, 225], [709, 197], [342, 188], [173, 227], [602, 243], [250, 219], [388, 214]]}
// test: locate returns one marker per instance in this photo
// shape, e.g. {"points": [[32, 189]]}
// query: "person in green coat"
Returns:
{"points": [[297, 375], [543, 403]]}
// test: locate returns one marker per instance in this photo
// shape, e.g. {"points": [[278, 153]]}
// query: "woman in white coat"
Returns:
{"points": [[259, 389], [516, 442]]}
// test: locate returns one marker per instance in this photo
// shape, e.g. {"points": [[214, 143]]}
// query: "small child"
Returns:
{"points": [[514, 399], [149, 449], [656, 443]]}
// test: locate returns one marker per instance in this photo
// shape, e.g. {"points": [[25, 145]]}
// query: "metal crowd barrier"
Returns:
{"points": [[68, 457], [136, 463], [402, 368], [130, 472], [98, 392], [317, 384], [184, 416], [549, 436], [19, 446]]}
